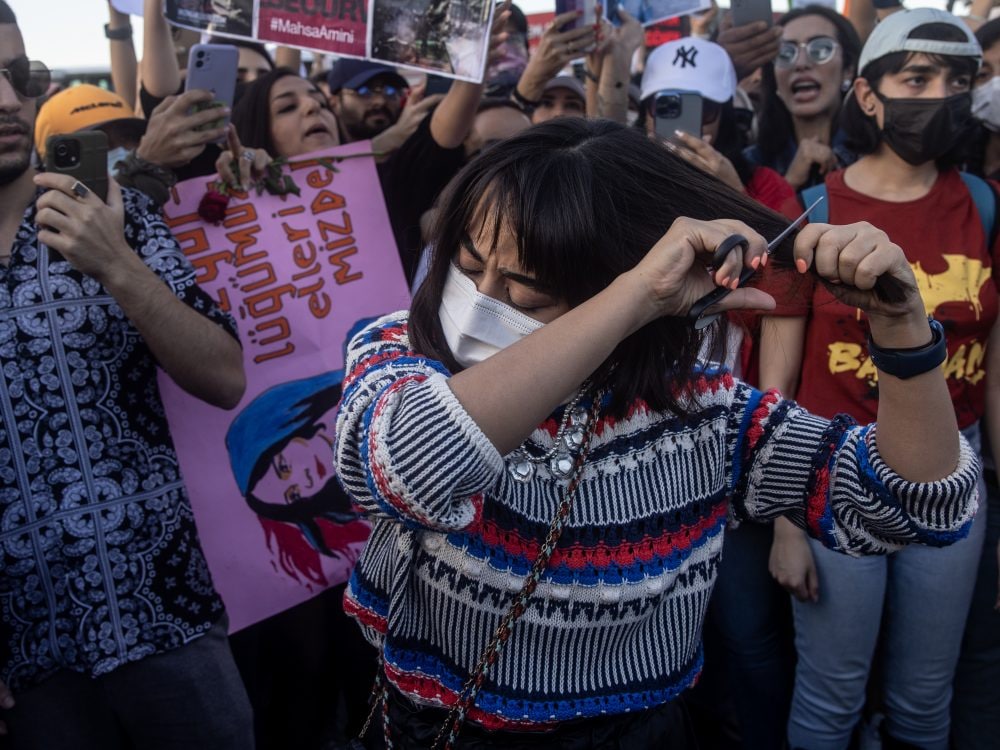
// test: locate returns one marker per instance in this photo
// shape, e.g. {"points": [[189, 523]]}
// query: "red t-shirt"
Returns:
{"points": [[770, 189], [942, 236]]}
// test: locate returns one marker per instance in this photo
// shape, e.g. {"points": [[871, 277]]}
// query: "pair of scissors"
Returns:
{"points": [[697, 312]]}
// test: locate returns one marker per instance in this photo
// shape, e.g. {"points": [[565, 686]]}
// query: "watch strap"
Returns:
{"points": [[908, 363], [119, 34]]}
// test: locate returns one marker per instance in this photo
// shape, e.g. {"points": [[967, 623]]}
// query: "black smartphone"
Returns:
{"points": [[677, 110], [748, 11], [83, 156]]}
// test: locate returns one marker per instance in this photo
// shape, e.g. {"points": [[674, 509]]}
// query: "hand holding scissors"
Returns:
{"points": [[697, 312]]}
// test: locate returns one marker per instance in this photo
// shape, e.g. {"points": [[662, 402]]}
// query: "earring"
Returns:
{"points": [[846, 85]]}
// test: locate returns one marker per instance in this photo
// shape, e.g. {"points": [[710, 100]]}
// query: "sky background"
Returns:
{"points": [[69, 34]]}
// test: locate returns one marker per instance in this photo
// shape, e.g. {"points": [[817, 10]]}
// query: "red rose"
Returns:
{"points": [[212, 207]]}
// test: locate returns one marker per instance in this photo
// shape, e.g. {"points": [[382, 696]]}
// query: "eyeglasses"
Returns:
{"points": [[818, 51], [29, 78], [389, 92]]}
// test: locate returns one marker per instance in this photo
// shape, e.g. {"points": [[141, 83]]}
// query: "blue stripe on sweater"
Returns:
{"points": [[638, 570], [872, 484], [541, 709], [751, 406]]}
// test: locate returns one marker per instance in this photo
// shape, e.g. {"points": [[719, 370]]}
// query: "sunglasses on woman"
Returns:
{"points": [[29, 78], [819, 50]]}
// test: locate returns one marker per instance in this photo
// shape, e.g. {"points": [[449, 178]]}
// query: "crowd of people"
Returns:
{"points": [[642, 469]]}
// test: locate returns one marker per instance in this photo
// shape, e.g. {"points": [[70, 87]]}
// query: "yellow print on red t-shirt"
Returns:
{"points": [[963, 281]]}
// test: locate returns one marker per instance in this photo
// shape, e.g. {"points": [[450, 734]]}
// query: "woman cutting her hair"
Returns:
{"points": [[549, 473]]}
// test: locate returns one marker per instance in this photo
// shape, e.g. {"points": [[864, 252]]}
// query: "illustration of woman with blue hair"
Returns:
{"points": [[281, 451]]}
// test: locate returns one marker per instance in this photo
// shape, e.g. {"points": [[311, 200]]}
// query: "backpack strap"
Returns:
{"points": [[986, 204], [820, 214]]}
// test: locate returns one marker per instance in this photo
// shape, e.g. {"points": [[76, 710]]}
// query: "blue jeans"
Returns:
{"points": [[751, 614], [190, 698], [975, 704], [924, 594]]}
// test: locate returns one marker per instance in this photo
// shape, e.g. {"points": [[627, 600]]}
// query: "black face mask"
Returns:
{"points": [[922, 130]]}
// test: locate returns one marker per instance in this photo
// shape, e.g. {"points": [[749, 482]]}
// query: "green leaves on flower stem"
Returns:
{"points": [[275, 182]]}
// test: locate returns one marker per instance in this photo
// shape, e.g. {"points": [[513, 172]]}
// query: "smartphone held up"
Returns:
{"points": [[82, 156], [214, 68], [587, 10], [677, 110]]}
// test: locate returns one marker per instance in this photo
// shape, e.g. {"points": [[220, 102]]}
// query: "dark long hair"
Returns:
{"points": [[862, 132], [775, 126], [252, 113], [586, 200]]}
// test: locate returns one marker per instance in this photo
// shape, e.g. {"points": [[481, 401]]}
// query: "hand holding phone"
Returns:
{"points": [[747, 11], [586, 8], [82, 156], [677, 110], [213, 68]]}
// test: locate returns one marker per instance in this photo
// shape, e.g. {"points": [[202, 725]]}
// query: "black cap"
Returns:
{"points": [[348, 73]]}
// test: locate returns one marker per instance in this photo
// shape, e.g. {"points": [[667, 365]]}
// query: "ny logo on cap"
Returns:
{"points": [[686, 56]]}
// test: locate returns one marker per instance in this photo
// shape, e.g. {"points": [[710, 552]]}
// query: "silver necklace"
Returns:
{"points": [[569, 437]]}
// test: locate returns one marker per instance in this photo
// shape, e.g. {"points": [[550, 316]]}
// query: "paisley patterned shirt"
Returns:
{"points": [[100, 563]]}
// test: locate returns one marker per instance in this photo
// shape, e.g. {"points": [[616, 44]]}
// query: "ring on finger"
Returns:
{"points": [[248, 155], [80, 190]]}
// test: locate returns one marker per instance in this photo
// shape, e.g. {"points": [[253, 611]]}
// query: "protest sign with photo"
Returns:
{"points": [[225, 17], [446, 37], [649, 12], [449, 37], [299, 273]]}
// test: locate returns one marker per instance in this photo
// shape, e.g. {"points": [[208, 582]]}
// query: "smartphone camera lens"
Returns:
{"points": [[668, 106], [67, 154], [199, 64]]}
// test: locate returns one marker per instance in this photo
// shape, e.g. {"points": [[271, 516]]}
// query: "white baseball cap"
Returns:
{"points": [[893, 35], [690, 64]]}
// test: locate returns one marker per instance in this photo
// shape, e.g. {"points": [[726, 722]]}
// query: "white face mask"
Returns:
{"points": [[476, 326], [116, 155], [986, 104]]}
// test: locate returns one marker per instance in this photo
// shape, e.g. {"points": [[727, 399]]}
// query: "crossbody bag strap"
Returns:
{"points": [[452, 725]]}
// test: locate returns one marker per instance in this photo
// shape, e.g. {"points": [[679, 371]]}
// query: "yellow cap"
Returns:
{"points": [[81, 107]]}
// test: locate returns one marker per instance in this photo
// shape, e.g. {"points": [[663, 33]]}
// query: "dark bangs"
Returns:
{"points": [[586, 200]]}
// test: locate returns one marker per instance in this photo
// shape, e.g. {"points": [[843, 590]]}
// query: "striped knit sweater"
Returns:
{"points": [[615, 624]]}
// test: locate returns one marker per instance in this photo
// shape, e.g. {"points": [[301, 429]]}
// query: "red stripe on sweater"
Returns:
{"points": [[430, 690], [364, 615], [603, 555]]}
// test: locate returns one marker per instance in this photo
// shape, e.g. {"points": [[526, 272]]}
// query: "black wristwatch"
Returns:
{"points": [[120, 34], [908, 363], [527, 105], [886, 4]]}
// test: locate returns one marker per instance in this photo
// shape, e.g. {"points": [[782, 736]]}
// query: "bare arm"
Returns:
{"points": [[288, 57], [508, 395], [455, 115], [197, 354], [158, 70], [610, 99], [979, 13], [863, 16], [781, 349], [556, 49], [124, 67], [907, 409]]}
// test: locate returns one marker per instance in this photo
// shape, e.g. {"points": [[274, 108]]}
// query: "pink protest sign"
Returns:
{"points": [[298, 273]]}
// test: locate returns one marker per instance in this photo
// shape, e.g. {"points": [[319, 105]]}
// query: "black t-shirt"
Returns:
{"points": [[412, 178]]}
